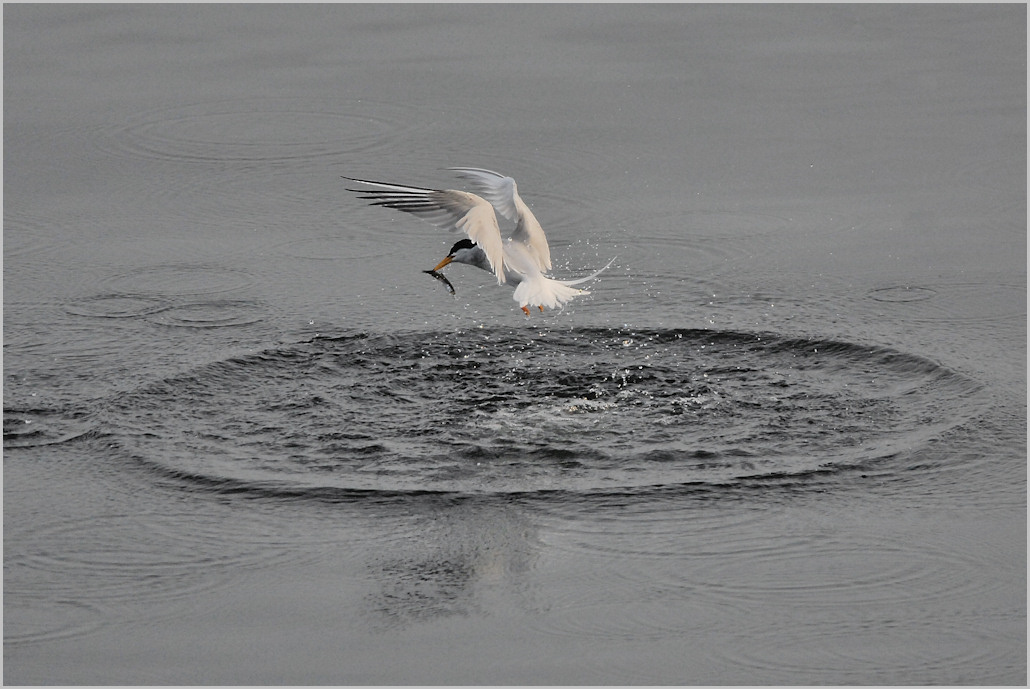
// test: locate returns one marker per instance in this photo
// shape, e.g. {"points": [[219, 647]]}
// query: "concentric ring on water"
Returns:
{"points": [[529, 411], [210, 314], [258, 129], [176, 279], [902, 293], [960, 301], [116, 306]]}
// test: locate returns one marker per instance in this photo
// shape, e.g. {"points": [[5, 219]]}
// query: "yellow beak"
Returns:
{"points": [[442, 263]]}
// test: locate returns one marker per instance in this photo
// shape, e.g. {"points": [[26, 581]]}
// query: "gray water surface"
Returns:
{"points": [[247, 440]]}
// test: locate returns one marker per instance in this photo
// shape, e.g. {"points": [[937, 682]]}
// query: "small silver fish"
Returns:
{"points": [[442, 278]]}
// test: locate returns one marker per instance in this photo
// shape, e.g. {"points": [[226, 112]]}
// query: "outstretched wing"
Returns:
{"points": [[495, 188], [447, 208], [503, 194]]}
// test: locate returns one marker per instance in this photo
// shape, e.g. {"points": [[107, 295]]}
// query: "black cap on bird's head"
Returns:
{"points": [[463, 244], [458, 246]]}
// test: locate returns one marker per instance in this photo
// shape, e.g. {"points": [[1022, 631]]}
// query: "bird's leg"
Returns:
{"points": [[525, 311], [541, 308]]}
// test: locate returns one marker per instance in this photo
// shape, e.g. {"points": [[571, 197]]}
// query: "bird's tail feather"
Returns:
{"points": [[588, 277], [544, 291]]}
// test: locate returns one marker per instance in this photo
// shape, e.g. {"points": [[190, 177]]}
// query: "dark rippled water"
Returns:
{"points": [[247, 440], [531, 410]]}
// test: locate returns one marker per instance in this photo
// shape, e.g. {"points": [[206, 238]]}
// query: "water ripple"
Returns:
{"points": [[493, 411], [116, 306], [30, 619], [967, 302], [127, 560], [210, 314], [39, 427], [176, 279], [265, 129], [873, 648]]}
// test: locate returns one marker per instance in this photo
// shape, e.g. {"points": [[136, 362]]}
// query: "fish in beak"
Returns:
{"points": [[440, 276]]}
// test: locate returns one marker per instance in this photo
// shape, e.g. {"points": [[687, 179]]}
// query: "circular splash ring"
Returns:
{"points": [[517, 411]]}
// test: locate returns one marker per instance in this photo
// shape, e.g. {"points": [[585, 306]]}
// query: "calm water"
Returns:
{"points": [[247, 440]]}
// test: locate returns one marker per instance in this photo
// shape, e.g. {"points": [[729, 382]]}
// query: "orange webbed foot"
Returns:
{"points": [[525, 311]]}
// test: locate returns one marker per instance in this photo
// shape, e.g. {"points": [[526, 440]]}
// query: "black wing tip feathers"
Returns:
{"points": [[394, 188]]}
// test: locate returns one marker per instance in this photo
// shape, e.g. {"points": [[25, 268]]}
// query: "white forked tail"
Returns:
{"points": [[542, 291]]}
